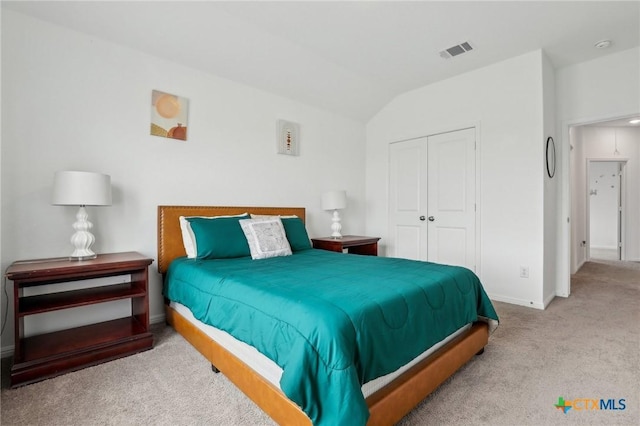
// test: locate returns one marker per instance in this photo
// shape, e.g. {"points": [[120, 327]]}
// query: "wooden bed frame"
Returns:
{"points": [[386, 406]]}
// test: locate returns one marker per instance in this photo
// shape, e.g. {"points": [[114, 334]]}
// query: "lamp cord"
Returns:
{"points": [[6, 304]]}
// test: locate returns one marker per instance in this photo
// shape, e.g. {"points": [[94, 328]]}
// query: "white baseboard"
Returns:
{"points": [[155, 319], [7, 351], [613, 248], [548, 300], [506, 299]]}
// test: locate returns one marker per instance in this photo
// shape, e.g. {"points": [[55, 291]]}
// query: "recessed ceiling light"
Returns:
{"points": [[634, 121], [603, 44]]}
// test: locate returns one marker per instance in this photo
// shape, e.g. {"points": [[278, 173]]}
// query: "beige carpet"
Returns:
{"points": [[585, 346]]}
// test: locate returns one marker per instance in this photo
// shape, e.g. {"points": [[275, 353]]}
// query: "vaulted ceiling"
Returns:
{"points": [[348, 57]]}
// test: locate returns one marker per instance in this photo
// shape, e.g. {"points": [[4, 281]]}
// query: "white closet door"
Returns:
{"points": [[451, 198], [432, 199]]}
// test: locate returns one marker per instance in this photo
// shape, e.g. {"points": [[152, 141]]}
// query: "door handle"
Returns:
{"points": [[422, 218], [431, 218]]}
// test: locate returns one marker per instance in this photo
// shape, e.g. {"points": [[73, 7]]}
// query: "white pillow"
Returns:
{"points": [[266, 237], [270, 216], [189, 238]]}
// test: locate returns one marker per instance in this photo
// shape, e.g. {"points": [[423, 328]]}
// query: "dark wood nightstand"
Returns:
{"points": [[354, 244], [50, 354]]}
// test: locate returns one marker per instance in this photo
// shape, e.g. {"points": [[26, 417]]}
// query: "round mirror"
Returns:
{"points": [[551, 157]]}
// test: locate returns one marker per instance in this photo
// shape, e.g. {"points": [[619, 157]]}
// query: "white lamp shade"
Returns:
{"points": [[334, 200], [81, 189]]}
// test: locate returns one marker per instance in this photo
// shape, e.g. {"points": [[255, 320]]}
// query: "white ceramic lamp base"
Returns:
{"points": [[82, 240], [336, 227]]}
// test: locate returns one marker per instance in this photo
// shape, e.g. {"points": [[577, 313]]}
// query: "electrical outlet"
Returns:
{"points": [[524, 272]]}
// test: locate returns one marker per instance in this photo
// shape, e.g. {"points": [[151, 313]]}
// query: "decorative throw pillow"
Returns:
{"points": [[266, 237], [294, 229], [296, 233], [219, 238], [189, 238]]}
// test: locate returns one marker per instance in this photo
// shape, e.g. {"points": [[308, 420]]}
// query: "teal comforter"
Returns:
{"points": [[331, 321]]}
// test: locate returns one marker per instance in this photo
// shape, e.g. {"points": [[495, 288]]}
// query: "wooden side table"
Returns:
{"points": [[50, 354], [354, 244]]}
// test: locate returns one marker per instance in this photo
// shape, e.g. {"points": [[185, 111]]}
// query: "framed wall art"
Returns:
{"points": [[288, 137], [169, 115]]}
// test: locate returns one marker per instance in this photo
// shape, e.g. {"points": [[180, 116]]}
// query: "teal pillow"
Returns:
{"points": [[219, 238], [296, 233]]}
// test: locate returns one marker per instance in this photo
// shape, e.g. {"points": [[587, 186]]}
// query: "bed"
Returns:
{"points": [[383, 405]]}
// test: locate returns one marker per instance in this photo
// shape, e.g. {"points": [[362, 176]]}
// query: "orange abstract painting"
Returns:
{"points": [[169, 115]]}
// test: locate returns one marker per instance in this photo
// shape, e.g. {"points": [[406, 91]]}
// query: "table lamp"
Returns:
{"points": [[335, 200], [81, 189]]}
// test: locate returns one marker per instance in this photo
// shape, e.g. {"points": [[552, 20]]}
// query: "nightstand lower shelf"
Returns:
{"points": [[51, 354]]}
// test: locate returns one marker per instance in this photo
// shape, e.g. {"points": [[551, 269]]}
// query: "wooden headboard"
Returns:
{"points": [[170, 236]]}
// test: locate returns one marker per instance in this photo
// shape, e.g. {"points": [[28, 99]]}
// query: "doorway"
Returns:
{"points": [[614, 140], [605, 209]]}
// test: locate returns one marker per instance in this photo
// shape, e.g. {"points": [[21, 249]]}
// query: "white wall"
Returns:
{"points": [[597, 90], [578, 169], [505, 102], [70, 101], [551, 184], [3, 307], [607, 87]]}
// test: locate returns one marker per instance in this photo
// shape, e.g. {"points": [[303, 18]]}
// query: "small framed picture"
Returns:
{"points": [[169, 115], [288, 137]]}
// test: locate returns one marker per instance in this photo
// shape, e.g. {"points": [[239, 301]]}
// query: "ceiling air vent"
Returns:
{"points": [[456, 50]]}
